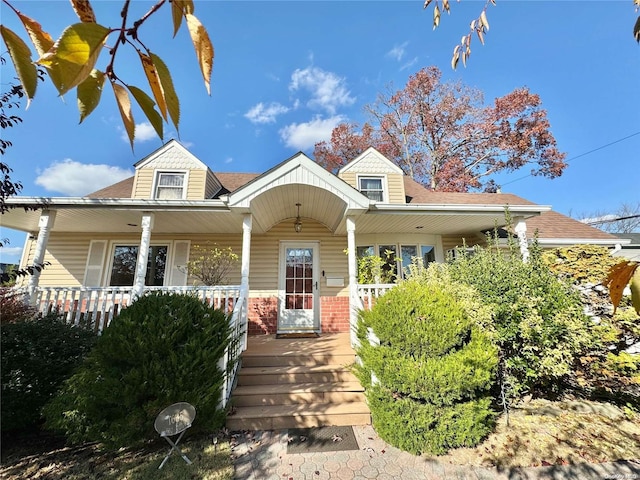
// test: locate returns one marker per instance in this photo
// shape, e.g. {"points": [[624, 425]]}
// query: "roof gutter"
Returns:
{"points": [[61, 203], [461, 209]]}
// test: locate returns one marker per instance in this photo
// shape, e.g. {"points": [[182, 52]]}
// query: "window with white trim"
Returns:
{"points": [[398, 265], [372, 188], [123, 265], [170, 185]]}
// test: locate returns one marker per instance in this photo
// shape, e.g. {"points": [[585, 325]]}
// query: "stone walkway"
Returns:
{"points": [[262, 455]]}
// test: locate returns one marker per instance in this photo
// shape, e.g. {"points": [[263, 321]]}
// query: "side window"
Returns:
{"points": [[170, 186], [372, 188], [428, 253], [123, 269], [407, 253], [364, 251], [388, 253]]}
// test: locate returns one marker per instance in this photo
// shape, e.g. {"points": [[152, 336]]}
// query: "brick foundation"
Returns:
{"points": [[334, 314], [263, 315]]}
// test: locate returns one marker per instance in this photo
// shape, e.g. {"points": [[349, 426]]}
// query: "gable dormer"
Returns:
{"points": [[375, 176], [173, 173]]}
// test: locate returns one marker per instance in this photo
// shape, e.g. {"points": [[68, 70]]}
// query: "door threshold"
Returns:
{"points": [[297, 335]]}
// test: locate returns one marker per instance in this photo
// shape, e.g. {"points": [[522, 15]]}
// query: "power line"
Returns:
{"points": [[581, 155]]}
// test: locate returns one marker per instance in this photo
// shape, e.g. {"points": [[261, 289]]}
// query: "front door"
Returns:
{"points": [[298, 287]]}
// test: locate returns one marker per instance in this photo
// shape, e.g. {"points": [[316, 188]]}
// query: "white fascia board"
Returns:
{"points": [[115, 203], [514, 210]]}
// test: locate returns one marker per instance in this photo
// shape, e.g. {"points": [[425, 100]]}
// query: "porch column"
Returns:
{"points": [[353, 281], [247, 223], [143, 254], [47, 218], [521, 231]]}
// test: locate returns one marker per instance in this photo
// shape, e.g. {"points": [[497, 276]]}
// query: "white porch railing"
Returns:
{"points": [[97, 306], [367, 294], [230, 363]]}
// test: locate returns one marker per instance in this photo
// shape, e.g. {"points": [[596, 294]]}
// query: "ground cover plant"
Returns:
{"points": [[429, 377], [162, 349]]}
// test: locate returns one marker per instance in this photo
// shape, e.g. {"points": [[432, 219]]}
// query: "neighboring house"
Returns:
{"points": [[294, 278], [630, 250]]}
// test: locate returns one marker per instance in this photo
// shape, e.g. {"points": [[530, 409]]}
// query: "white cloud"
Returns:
{"points": [[228, 160], [261, 113], [74, 178], [328, 90], [409, 64], [143, 133], [10, 254], [303, 136], [397, 52]]}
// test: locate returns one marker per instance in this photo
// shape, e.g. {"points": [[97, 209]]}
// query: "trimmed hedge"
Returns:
{"points": [[162, 349], [434, 365]]}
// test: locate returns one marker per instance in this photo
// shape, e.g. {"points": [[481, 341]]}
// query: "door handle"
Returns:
{"points": [[316, 285]]}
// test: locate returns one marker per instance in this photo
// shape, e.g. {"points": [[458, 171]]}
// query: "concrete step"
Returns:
{"points": [[273, 417], [298, 394], [295, 374], [297, 359]]}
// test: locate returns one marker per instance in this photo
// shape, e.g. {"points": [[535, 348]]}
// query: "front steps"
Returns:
{"points": [[297, 384]]}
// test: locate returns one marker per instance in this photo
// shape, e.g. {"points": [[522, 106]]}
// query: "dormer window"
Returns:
{"points": [[372, 188], [170, 185]]}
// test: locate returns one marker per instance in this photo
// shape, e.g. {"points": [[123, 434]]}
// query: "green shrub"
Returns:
{"points": [[162, 349], [581, 263], [538, 321], [434, 365], [38, 354]]}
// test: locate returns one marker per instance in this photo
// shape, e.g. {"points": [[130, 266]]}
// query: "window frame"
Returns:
{"points": [[400, 268], [383, 187], [156, 183]]}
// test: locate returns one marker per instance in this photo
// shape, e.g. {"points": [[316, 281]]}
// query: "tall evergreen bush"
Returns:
{"points": [[538, 320], [162, 349], [433, 367]]}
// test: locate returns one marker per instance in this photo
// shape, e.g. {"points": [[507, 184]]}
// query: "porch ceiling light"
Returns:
{"points": [[297, 226]]}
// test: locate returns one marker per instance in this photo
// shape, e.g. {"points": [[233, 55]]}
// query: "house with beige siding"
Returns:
{"points": [[297, 229]]}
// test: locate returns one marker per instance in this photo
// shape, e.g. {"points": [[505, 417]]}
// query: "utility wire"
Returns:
{"points": [[581, 155]]}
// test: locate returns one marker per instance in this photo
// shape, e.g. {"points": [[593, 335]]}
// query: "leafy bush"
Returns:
{"points": [[538, 320], [13, 307], [210, 264], [581, 263], [434, 365], [38, 354], [162, 349]]}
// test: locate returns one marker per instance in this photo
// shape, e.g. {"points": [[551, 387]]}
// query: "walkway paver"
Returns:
{"points": [[263, 456]]}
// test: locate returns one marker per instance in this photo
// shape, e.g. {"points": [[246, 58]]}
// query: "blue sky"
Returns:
{"points": [[285, 73]]}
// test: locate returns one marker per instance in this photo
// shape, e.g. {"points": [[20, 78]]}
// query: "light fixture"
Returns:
{"points": [[298, 225]]}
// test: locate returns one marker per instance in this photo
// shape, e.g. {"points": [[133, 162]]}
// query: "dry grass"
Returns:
{"points": [[87, 462], [548, 433]]}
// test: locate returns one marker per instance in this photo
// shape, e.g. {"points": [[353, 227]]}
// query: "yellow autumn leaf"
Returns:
{"points": [[634, 286], [74, 54], [21, 57], [617, 279], [84, 11], [89, 93], [203, 46], [456, 57], [480, 36], [154, 82], [41, 40], [180, 8], [426, 3], [147, 104], [170, 96], [124, 105], [445, 5], [483, 20], [436, 17]]}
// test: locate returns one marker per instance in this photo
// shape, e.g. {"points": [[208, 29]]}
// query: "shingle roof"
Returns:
{"points": [[121, 189], [416, 193], [555, 225]]}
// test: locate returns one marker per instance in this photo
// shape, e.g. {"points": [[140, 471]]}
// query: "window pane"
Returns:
{"points": [[428, 254], [125, 258], [372, 188], [170, 186], [168, 193], [171, 179], [388, 254], [364, 251], [407, 253]]}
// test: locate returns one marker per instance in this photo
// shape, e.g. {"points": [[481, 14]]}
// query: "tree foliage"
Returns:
{"points": [[211, 264], [71, 61], [480, 26], [443, 136]]}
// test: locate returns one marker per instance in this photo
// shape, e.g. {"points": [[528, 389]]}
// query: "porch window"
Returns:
{"points": [[371, 187], [407, 254], [388, 253], [428, 254], [125, 257], [170, 185]]}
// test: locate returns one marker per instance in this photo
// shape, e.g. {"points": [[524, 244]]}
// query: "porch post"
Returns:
{"points": [[353, 282], [247, 223], [143, 254], [47, 218], [521, 231]]}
